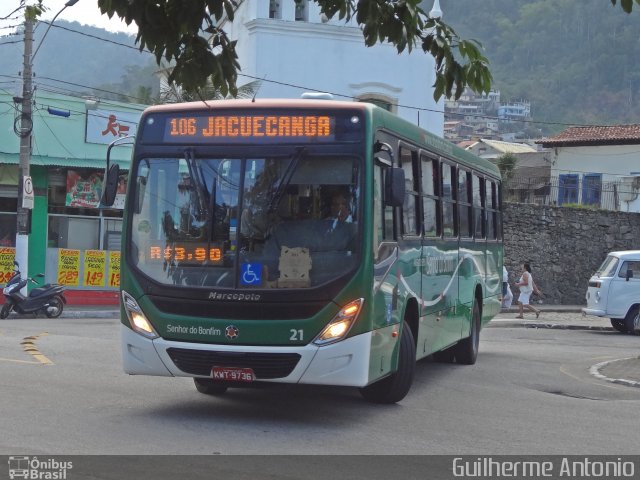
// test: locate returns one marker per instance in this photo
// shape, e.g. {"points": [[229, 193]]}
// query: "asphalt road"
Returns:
{"points": [[62, 391]]}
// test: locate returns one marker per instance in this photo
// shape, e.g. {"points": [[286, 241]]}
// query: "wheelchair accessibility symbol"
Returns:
{"points": [[251, 274]]}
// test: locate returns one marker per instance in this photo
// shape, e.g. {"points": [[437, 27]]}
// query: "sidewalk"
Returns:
{"points": [[553, 316]]}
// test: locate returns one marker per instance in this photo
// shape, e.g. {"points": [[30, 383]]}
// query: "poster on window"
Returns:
{"points": [[105, 126], [83, 191], [7, 255], [95, 262], [114, 269], [68, 267]]}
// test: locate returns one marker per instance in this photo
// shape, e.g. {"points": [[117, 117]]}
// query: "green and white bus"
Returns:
{"points": [[303, 241]]}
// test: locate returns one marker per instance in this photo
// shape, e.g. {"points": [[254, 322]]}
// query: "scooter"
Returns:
{"points": [[48, 298]]}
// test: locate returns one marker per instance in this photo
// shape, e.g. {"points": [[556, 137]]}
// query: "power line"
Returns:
{"points": [[54, 135], [98, 38], [291, 85], [7, 17], [92, 88]]}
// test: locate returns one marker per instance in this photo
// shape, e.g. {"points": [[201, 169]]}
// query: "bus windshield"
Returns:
{"points": [[286, 221]]}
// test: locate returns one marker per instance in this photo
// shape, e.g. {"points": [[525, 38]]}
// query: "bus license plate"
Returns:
{"points": [[231, 374]]}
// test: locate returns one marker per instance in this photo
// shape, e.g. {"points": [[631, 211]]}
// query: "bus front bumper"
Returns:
{"points": [[344, 363]]}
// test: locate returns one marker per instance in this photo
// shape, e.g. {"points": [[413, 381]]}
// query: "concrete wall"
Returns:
{"points": [[564, 245]]}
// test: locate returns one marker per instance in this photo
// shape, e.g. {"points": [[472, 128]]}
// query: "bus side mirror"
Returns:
{"points": [[394, 188], [110, 187], [629, 274]]}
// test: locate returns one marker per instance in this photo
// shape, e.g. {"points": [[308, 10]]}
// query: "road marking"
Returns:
{"points": [[29, 346], [18, 361], [590, 382]]}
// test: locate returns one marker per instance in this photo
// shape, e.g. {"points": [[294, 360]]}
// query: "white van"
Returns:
{"points": [[614, 291]]}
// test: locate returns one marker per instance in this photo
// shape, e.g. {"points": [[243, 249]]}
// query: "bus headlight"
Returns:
{"points": [[137, 320], [340, 325]]}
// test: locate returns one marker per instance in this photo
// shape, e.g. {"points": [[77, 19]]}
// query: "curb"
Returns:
{"points": [[558, 326], [595, 371], [91, 314], [68, 314], [561, 326]]}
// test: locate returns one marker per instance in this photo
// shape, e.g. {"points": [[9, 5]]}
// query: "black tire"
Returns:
{"points": [[55, 308], [395, 387], [209, 387], [632, 321], [6, 309], [466, 351], [619, 325]]}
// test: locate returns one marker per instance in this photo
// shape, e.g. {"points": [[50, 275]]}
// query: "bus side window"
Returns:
{"points": [[430, 197], [410, 217], [464, 203], [478, 203], [449, 213], [491, 207]]}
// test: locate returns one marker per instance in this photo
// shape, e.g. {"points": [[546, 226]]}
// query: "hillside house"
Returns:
{"points": [[597, 166]]}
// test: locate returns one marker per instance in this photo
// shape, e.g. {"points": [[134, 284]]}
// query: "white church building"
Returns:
{"points": [[290, 48]]}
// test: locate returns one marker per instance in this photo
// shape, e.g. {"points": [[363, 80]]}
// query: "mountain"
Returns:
{"points": [[576, 61], [80, 59]]}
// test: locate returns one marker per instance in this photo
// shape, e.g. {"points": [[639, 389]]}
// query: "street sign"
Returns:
{"points": [[27, 193]]}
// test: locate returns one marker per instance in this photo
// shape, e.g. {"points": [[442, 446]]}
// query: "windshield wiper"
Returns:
{"points": [[195, 172], [286, 178]]}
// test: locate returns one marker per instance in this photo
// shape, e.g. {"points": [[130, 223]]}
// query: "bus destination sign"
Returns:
{"points": [[252, 128]]}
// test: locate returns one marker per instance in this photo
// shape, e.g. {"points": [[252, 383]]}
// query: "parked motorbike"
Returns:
{"points": [[48, 298]]}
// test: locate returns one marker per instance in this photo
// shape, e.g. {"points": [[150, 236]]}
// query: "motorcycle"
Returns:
{"points": [[48, 298]]}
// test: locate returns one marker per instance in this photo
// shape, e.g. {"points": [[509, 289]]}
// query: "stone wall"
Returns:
{"points": [[564, 245]]}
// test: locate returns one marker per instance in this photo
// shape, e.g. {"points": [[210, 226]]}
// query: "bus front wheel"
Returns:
{"points": [[209, 387], [395, 387]]}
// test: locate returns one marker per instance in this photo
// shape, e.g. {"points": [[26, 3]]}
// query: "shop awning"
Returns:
{"points": [[100, 163]]}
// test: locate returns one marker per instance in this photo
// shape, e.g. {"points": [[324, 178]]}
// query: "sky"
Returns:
{"points": [[86, 12]]}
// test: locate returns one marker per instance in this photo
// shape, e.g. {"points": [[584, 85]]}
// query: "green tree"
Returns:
{"points": [[173, 93], [507, 165]]}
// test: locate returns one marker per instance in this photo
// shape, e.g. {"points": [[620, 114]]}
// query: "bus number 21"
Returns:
{"points": [[296, 335]]}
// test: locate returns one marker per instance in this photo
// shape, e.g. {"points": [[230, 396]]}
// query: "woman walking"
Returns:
{"points": [[526, 286]]}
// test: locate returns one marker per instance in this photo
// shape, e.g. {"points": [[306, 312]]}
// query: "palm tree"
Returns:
{"points": [[171, 93]]}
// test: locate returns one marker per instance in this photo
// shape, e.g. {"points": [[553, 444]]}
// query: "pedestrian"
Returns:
{"points": [[507, 295], [505, 281], [526, 286]]}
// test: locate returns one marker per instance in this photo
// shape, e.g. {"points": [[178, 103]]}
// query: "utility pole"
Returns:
{"points": [[26, 127], [25, 188]]}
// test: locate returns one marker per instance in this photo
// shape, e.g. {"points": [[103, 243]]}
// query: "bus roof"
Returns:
{"points": [[381, 119]]}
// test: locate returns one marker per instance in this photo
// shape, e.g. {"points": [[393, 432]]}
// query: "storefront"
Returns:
{"points": [[72, 241]]}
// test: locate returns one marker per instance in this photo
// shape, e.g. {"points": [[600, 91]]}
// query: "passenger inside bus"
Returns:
{"points": [[330, 241]]}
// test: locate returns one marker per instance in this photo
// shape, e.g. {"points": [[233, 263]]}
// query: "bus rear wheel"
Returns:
{"points": [[395, 387], [209, 387], [466, 351]]}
